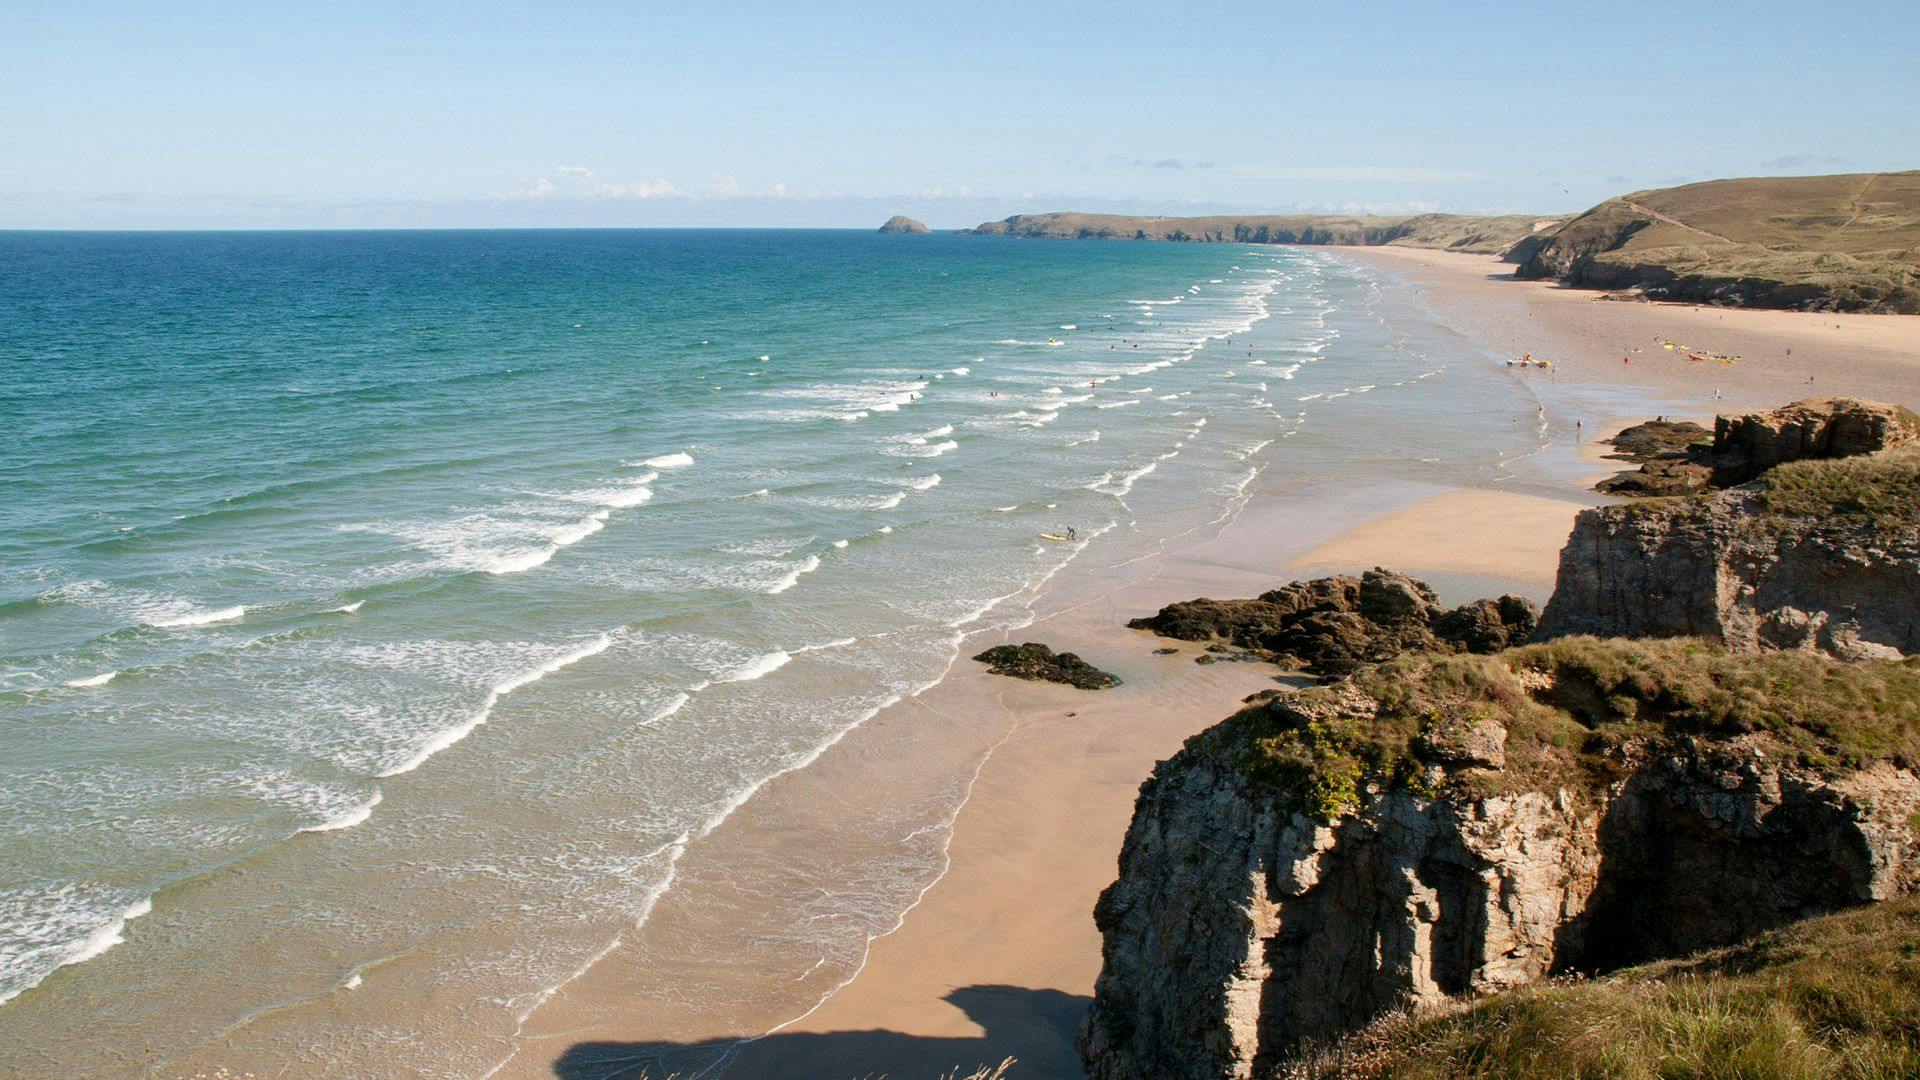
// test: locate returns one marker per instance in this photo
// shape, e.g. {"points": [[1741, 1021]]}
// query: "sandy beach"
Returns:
{"points": [[998, 957], [1783, 355]]}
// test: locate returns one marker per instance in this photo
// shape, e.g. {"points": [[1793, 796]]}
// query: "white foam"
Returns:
{"points": [[1118, 404], [840, 543], [891, 501], [348, 819], [758, 667], [807, 566], [922, 483], [93, 680], [886, 528], [199, 618], [109, 935], [580, 530], [1087, 438], [1006, 509], [942, 430], [962, 370], [668, 461], [348, 609], [632, 495], [1069, 326], [460, 731]]}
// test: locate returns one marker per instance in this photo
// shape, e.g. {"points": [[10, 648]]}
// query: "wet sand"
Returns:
{"points": [[998, 956], [1492, 534]]}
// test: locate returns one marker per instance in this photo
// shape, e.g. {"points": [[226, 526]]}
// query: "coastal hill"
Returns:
{"points": [[1826, 243], [1849, 242], [1450, 232]]}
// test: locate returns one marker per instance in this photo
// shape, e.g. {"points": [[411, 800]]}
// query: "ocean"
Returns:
{"points": [[386, 617]]}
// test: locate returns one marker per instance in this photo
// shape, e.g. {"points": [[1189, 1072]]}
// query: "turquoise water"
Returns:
{"points": [[409, 602]]}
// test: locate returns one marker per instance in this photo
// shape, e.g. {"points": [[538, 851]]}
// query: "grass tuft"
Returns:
{"points": [[1882, 489], [1830, 998]]}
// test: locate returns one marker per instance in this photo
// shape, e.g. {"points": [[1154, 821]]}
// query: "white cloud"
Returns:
{"points": [[1389, 174], [579, 182]]}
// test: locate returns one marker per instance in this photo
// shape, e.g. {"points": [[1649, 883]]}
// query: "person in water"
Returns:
{"points": [[1071, 535]]}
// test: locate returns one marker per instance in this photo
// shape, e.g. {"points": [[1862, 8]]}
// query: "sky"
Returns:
{"points": [[831, 114]]}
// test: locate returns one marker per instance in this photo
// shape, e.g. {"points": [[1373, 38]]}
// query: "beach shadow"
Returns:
{"points": [[1034, 1026]]}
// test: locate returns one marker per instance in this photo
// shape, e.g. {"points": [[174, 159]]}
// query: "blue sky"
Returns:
{"points": [[401, 114]]}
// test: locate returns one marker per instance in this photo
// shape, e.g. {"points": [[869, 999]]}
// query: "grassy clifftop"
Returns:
{"points": [[1569, 713], [1836, 996], [1451, 232], [1849, 242]]}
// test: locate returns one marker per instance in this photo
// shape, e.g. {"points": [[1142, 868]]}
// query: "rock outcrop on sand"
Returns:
{"points": [[1439, 826], [901, 224], [1036, 661], [1330, 626], [1744, 447], [1656, 439]]}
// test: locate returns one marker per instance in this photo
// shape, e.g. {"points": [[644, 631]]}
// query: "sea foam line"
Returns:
{"points": [[666, 461], [102, 938], [531, 675], [200, 618], [807, 566]]}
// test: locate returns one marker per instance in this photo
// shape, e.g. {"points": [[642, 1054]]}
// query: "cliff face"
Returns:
{"points": [[1716, 568], [1818, 549], [1243, 923]]}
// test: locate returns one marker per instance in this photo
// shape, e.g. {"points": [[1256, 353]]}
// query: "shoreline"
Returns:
{"points": [[997, 954]]}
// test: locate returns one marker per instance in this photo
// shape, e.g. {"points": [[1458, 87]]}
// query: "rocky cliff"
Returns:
{"points": [[1724, 568], [1460, 824], [1817, 548], [1676, 459]]}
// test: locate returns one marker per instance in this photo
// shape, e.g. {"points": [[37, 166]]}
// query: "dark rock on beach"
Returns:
{"points": [[1330, 626], [1656, 439], [1035, 661]]}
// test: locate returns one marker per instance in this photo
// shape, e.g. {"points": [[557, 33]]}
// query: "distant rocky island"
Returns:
{"points": [[900, 224], [1818, 243]]}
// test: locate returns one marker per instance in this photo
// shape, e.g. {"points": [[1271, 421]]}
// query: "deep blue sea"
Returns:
{"points": [[407, 603]]}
